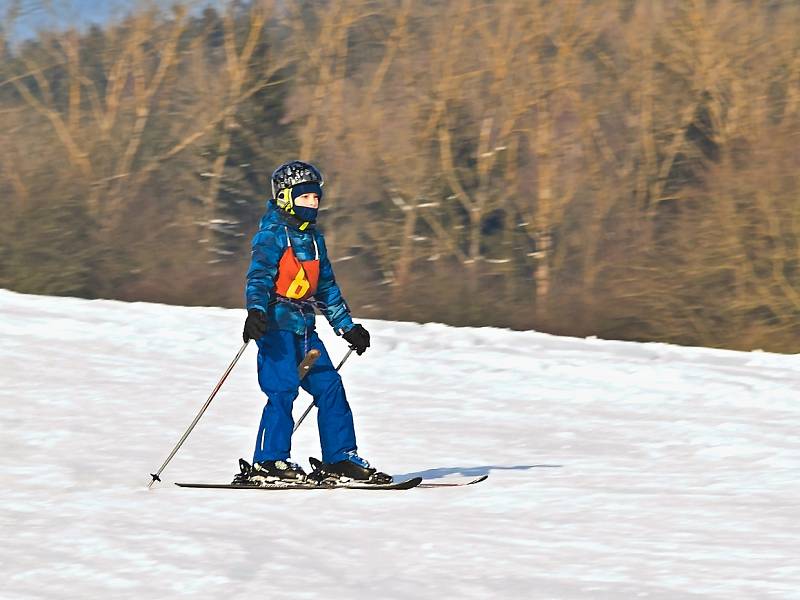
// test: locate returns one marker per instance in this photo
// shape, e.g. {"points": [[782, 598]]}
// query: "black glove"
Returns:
{"points": [[358, 338], [255, 326]]}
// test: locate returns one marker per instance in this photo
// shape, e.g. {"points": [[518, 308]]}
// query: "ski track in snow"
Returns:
{"points": [[617, 470]]}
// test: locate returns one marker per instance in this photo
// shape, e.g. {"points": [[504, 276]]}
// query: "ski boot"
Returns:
{"points": [[269, 472], [352, 469]]}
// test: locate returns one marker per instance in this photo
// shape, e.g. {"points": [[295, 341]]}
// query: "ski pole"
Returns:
{"points": [[155, 476], [310, 406]]}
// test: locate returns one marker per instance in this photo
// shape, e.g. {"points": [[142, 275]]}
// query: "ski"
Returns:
{"points": [[426, 484], [406, 484], [398, 485], [325, 482]]}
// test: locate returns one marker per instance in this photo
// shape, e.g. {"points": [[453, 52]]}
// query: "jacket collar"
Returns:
{"points": [[282, 216]]}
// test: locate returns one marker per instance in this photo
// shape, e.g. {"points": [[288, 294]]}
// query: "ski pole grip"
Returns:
{"points": [[308, 361]]}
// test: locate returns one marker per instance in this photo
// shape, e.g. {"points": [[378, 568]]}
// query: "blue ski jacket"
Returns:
{"points": [[269, 244]]}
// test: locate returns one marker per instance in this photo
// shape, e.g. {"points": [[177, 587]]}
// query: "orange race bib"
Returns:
{"points": [[297, 280]]}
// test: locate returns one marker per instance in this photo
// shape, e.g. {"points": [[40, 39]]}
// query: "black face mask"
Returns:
{"points": [[305, 213]]}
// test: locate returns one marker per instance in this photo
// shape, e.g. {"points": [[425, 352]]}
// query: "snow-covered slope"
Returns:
{"points": [[617, 470]]}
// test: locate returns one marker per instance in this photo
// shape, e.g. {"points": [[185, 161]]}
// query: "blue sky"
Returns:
{"points": [[46, 14], [62, 14]]}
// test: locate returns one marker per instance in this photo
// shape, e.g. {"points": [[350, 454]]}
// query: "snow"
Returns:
{"points": [[617, 470]]}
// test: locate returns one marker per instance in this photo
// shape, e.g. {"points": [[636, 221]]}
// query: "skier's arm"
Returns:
{"points": [[263, 267], [329, 294]]}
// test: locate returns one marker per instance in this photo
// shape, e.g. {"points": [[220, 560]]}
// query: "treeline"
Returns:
{"points": [[609, 167]]}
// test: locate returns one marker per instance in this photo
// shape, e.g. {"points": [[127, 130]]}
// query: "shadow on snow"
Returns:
{"points": [[469, 471]]}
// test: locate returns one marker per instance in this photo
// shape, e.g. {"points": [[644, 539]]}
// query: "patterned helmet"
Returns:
{"points": [[294, 173]]}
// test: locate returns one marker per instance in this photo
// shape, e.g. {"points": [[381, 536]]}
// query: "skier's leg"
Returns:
{"points": [[335, 420], [277, 376]]}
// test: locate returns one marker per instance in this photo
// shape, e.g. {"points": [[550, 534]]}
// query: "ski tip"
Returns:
{"points": [[451, 484], [409, 483], [406, 484]]}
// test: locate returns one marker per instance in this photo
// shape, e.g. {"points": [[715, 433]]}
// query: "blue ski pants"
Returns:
{"points": [[279, 353]]}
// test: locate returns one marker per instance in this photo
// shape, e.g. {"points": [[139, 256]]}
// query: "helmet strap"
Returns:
{"points": [[284, 200]]}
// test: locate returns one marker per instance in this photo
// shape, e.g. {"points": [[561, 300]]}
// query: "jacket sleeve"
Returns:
{"points": [[265, 256], [328, 293]]}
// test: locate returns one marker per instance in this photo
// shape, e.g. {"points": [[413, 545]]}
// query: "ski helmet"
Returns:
{"points": [[294, 173], [290, 181]]}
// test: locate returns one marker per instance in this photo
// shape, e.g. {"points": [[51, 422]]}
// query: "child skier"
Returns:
{"points": [[289, 276]]}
